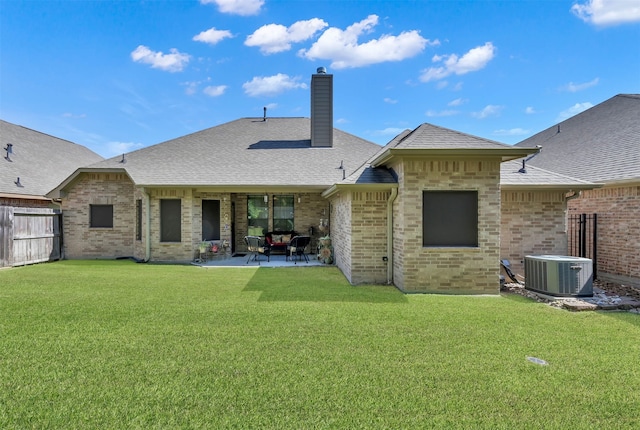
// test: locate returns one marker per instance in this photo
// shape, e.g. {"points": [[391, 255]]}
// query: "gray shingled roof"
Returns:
{"points": [[601, 144], [247, 152], [512, 177], [39, 160]]}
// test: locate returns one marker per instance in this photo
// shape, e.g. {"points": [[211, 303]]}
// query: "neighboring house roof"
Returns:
{"points": [[514, 176], [431, 140], [39, 160], [601, 144]]}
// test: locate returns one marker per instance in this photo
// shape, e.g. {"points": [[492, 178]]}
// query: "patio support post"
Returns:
{"points": [[392, 198], [147, 229]]}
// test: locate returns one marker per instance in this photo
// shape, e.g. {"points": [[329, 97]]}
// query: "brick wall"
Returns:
{"points": [[618, 210], [369, 237], [454, 270], [533, 223], [82, 241], [341, 236], [26, 203]]}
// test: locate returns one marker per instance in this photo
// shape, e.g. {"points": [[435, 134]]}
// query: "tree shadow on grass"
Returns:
{"points": [[317, 284]]}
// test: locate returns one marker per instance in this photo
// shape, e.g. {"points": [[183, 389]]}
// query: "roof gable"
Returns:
{"points": [[429, 140]]}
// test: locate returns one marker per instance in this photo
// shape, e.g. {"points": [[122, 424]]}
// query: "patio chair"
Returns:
{"points": [[255, 247], [296, 248]]}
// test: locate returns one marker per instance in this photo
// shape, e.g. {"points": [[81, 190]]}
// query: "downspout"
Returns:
{"points": [[392, 198], [147, 227]]}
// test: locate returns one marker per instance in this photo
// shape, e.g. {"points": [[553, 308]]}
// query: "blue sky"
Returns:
{"points": [[116, 76]]}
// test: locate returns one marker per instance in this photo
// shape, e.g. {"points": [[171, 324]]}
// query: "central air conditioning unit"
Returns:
{"points": [[559, 275]]}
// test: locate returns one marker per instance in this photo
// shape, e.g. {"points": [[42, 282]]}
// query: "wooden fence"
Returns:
{"points": [[29, 235]]}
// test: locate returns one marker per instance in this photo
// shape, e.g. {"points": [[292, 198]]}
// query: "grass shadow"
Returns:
{"points": [[317, 284]]}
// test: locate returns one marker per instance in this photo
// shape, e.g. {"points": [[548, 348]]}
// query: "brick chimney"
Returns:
{"points": [[321, 109]]}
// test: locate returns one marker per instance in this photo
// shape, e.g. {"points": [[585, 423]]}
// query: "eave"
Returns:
{"points": [[336, 188], [505, 154]]}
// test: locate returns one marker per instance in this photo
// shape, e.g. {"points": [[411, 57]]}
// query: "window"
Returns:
{"points": [[258, 215], [170, 220], [101, 216], [283, 213], [139, 219], [211, 220], [450, 218]]}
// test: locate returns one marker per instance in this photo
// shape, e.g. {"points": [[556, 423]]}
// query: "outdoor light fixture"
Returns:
{"points": [[266, 198], [298, 199], [9, 150]]}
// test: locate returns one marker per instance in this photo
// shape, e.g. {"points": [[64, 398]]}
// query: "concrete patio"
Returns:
{"points": [[277, 260]]}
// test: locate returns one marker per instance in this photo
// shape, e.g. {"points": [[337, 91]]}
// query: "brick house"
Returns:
{"points": [[602, 145], [422, 212]]}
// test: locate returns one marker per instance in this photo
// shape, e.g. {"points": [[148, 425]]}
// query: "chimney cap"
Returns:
{"points": [[321, 70]]}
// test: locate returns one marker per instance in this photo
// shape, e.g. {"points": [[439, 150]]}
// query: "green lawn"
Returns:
{"points": [[95, 344]]}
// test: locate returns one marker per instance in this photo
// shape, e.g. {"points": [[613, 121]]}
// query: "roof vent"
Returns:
{"points": [[9, 150], [321, 70]]}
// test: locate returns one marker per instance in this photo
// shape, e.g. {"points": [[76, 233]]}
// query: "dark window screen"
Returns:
{"points": [[101, 216], [138, 219], [170, 222], [450, 218], [211, 220]]}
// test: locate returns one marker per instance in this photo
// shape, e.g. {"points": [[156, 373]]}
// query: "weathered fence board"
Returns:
{"points": [[29, 235], [6, 236]]}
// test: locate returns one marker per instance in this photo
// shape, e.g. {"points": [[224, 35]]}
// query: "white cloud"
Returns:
{"points": [[215, 90], [271, 85], [607, 12], [511, 132], [342, 49], [457, 102], [474, 60], [173, 62], [573, 110], [237, 7], [435, 114], [573, 88], [272, 38], [117, 148], [390, 101], [530, 110], [489, 110], [390, 131], [75, 116], [212, 36]]}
